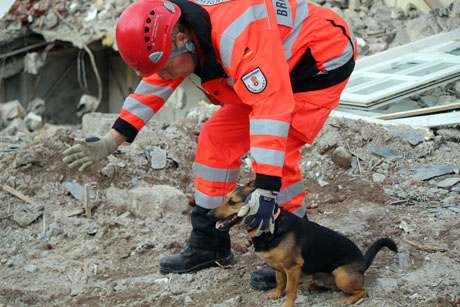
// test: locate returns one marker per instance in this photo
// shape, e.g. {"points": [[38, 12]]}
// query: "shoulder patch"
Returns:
{"points": [[210, 2], [255, 81]]}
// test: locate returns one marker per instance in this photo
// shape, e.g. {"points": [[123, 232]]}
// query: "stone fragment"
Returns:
{"points": [[156, 156], [11, 110], [37, 106], [384, 152], [33, 121], [432, 170], [75, 189], [378, 178], [25, 214], [412, 137], [156, 201], [449, 182], [342, 157], [450, 134]]}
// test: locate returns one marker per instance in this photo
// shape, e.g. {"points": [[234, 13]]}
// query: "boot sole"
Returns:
{"points": [[212, 263]]}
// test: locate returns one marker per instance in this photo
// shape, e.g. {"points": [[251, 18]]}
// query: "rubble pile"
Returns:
{"points": [[377, 26], [80, 238], [78, 22]]}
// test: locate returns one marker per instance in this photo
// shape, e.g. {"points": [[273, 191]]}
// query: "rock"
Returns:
{"points": [[450, 134], [412, 137], [378, 178], [433, 170], [342, 157], [188, 300], [33, 122], [384, 152], [25, 214], [30, 268], [449, 182], [156, 202], [156, 157], [87, 104], [233, 302], [75, 189], [37, 106], [11, 110]]}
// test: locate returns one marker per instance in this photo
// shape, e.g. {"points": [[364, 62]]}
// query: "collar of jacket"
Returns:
{"points": [[197, 19]]}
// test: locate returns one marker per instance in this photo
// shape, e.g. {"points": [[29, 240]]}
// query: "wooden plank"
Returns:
{"points": [[422, 111], [429, 121]]}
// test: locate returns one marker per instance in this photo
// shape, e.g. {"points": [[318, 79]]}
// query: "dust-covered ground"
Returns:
{"points": [[52, 253]]}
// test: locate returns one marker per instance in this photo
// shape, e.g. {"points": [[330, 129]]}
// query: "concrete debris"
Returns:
{"points": [[11, 110], [33, 61], [33, 121], [75, 189], [342, 157], [448, 183], [156, 202], [413, 137], [432, 170], [87, 104], [378, 178], [37, 106], [449, 134], [384, 152], [26, 214], [156, 157]]}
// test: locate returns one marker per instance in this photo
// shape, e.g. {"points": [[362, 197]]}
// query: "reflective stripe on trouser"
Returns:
{"points": [[223, 140]]}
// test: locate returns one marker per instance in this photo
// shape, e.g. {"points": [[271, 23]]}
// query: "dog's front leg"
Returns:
{"points": [[293, 275], [280, 286]]}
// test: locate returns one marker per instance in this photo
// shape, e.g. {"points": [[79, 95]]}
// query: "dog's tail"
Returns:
{"points": [[375, 248]]}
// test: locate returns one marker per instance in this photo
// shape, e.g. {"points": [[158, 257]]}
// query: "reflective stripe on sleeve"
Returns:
{"points": [[139, 109], [300, 16], [208, 202], [269, 127], [340, 60], [145, 88], [234, 30], [215, 174], [290, 192], [268, 156]]}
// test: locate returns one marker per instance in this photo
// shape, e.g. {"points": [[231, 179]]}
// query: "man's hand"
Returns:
{"points": [[92, 149], [259, 209]]}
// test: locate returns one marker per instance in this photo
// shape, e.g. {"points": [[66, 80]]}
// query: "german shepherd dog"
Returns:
{"points": [[300, 246]]}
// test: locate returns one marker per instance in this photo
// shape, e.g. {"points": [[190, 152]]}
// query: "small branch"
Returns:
{"points": [[17, 194], [425, 247]]}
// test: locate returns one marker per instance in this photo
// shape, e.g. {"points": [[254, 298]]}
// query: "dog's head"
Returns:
{"points": [[227, 213]]}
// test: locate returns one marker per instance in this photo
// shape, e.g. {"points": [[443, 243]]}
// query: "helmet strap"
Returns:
{"points": [[188, 47]]}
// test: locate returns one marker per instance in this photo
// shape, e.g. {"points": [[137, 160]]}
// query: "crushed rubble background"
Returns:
{"points": [[50, 251], [364, 180]]}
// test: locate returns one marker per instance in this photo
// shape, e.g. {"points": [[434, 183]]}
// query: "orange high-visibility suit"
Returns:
{"points": [[277, 68]]}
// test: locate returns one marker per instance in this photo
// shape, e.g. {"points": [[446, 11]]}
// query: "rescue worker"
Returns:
{"points": [[277, 68]]}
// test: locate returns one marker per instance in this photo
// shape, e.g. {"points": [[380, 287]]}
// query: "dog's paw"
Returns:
{"points": [[275, 294]]}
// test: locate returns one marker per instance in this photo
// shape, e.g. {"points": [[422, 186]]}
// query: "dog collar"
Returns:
{"points": [[252, 232]]}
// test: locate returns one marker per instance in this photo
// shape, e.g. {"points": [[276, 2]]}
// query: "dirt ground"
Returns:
{"points": [[57, 258]]}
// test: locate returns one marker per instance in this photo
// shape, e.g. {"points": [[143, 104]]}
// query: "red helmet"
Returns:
{"points": [[143, 34]]}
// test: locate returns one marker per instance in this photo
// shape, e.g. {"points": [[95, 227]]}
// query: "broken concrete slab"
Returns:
{"points": [[413, 137], [155, 202], [432, 170], [449, 182], [384, 152]]}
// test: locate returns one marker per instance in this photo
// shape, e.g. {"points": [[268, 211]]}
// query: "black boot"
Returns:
{"points": [[207, 247], [263, 279]]}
